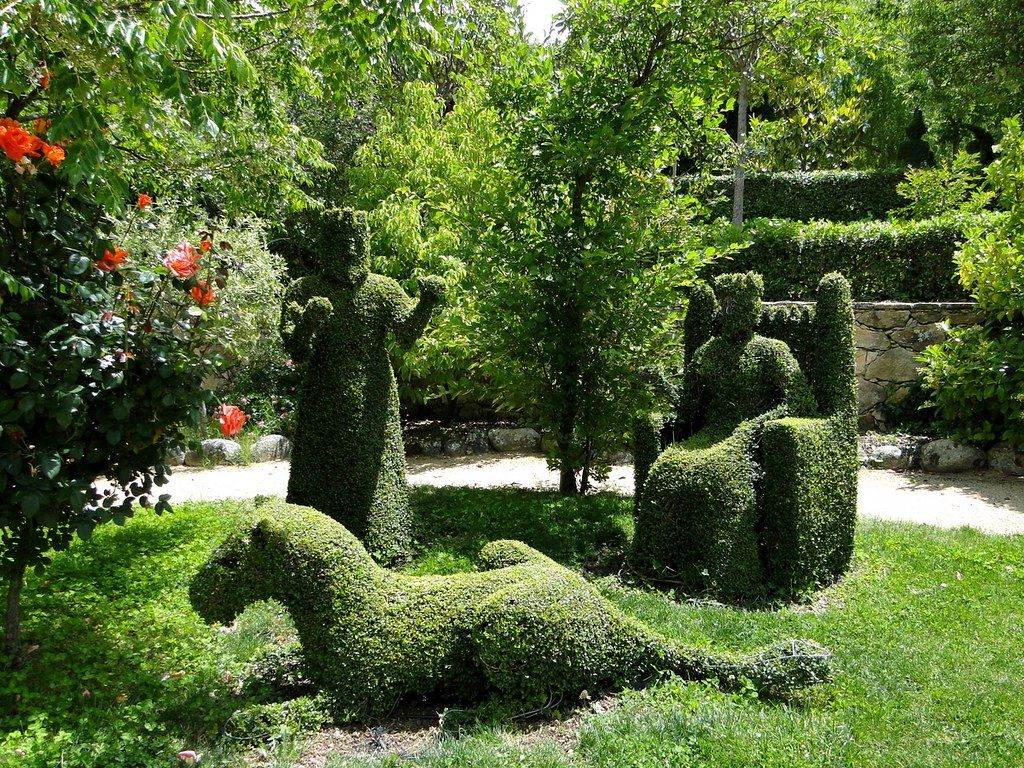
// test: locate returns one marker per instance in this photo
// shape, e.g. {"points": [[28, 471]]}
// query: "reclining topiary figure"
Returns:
{"points": [[753, 489], [523, 626], [348, 460]]}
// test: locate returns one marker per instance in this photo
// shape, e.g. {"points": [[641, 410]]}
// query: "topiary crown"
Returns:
{"points": [[739, 303], [343, 252]]}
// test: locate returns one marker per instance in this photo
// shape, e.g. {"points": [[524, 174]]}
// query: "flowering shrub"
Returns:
{"points": [[103, 357], [231, 419]]}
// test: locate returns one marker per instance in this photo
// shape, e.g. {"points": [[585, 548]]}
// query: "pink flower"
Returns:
{"points": [[183, 261], [188, 757]]}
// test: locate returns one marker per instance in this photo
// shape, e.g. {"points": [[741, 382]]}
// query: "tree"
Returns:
{"points": [[581, 272], [102, 361]]}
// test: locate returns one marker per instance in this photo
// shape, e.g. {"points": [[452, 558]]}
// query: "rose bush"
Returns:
{"points": [[104, 353]]}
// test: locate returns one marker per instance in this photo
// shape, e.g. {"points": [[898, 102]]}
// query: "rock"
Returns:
{"points": [[865, 338], [221, 451], [174, 457], [1004, 458], [919, 337], [521, 439], [897, 364], [271, 448], [193, 458], [867, 422], [887, 457], [622, 457], [883, 319], [869, 394], [951, 456]]}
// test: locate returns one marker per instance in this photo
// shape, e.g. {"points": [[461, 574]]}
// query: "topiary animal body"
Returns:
{"points": [[348, 460], [523, 627]]}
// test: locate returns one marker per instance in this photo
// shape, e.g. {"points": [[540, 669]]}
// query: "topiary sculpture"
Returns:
{"points": [[348, 460], [755, 489], [523, 626]]}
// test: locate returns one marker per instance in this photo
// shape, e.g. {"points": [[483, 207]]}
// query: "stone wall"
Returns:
{"points": [[889, 335]]}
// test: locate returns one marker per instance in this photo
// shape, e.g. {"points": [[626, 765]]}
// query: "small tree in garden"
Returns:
{"points": [[976, 376], [103, 357]]}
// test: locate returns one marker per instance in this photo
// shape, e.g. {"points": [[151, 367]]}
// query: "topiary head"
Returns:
{"points": [[232, 578], [738, 297], [344, 248]]}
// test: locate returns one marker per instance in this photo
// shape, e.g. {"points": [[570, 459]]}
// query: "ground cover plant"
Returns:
{"points": [[923, 629]]}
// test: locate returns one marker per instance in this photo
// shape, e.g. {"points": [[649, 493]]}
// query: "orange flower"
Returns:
{"points": [[16, 142], [183, 261], [144, 200], [231, 419], [111, 260], [205, 245], [44, 79], [54, 154], [41, 125], [203, 293]]}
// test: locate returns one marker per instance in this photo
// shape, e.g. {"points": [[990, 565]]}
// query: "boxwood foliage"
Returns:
{"points": [[523, 626], [810, 195], [348, 460], [748, 498], [883, 260]]}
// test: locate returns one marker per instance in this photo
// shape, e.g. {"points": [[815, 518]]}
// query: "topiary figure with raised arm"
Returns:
{"points": [[348, 460], [523, 628]]}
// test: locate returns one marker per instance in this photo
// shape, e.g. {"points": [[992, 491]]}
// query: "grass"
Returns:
{"points": [[926, 632]]}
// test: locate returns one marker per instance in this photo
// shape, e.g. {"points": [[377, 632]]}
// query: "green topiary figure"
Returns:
{"points": [[523, 627], [348, 460], [697, 521], [914, 151]]}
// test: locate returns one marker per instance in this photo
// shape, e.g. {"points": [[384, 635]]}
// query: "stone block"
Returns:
{"points": [[221, 451], [865, 338], [271, 448], [898, 364], [1004, 458], [519, 439], [883, 319]]}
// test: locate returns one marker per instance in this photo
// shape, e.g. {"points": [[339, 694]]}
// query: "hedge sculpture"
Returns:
{"points": [[755, 488], [523, 627], [348, 460]]}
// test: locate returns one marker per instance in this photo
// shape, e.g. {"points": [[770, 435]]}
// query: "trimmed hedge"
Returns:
{"points": [[809, 501], [728, 510], [348, 460], [883, 261], [523, 627], [805, 196]]}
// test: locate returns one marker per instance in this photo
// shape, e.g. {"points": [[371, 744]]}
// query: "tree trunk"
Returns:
{"points": [[12, 621], [740, 176]]}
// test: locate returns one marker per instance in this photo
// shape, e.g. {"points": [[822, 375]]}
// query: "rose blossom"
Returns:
{"points": [[183, 261]]}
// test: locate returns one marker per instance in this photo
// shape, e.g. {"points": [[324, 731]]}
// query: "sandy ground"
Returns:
{"points": [[989, 502]]}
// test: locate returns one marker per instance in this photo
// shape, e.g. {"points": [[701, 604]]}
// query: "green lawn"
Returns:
{"points": [[927, 633]]}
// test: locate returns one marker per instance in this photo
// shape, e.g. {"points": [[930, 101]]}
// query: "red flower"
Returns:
{"points": [[44, 79], [111, 260], [54, 154], [205, 245], [203, 293], [144, 200], [231, 419], [183, 261], [16, 142]]}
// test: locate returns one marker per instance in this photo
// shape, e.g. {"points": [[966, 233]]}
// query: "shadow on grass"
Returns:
{"points": [[452, 524]]}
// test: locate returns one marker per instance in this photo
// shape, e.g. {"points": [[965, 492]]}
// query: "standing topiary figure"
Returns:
{"points": [[348, 459]]}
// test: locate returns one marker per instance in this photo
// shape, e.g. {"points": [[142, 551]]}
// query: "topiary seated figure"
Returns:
{"points": [[755, 487], [348, 460], [523, 627]]}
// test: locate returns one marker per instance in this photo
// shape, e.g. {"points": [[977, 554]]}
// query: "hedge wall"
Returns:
{"points": [[883, 260], [804, 196]]}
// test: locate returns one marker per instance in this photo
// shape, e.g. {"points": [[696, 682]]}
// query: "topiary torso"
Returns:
{"points": [[348, 459]]}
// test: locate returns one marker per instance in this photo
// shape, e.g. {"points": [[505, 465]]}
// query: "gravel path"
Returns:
{"points": [[988, 502]]}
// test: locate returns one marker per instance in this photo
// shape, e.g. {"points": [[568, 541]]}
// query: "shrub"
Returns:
{"points": [[952, 187], [806, 196], [104, 354], [976, 376], [348, 460], [897, 260], [522, 627]]}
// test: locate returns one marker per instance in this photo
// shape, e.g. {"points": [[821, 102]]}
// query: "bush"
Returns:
{"points": [[522, 627], [976, 376], [809, 195], [883, 260], [348, 460]]}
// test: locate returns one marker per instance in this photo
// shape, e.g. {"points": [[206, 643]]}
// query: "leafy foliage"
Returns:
{"points": [[976, 377], [952, 187]]}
